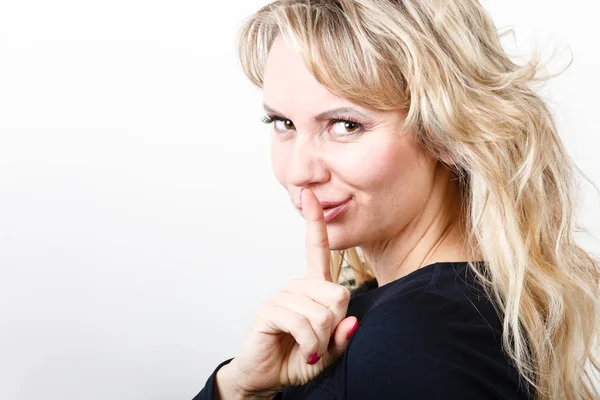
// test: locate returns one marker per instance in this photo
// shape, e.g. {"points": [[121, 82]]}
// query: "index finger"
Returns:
{"points": [[317, 241]]}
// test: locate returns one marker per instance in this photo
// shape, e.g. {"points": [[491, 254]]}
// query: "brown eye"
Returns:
{"points": [[284, 124], [346, 127]]}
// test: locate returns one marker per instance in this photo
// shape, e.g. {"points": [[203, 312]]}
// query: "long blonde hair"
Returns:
{"points": [[443, 62]]}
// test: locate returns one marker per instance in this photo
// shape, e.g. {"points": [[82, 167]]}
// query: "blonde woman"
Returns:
{"points": [[415, 151]]}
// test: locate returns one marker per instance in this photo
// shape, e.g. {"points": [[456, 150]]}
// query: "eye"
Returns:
{"points": [[281, 124], [346, 126]]}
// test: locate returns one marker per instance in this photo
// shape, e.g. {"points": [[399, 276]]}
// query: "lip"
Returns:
{"points": [[326, 204], [333, 213], [334, 209]]}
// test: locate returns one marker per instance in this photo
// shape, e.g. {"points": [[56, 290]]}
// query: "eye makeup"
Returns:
{"points": [[267, 119]]}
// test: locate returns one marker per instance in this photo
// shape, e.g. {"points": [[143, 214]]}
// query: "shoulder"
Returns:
{"points": [[410, 324], [427, 346]]}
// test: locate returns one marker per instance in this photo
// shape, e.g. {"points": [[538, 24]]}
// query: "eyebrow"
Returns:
{"points": [[323, 115]]}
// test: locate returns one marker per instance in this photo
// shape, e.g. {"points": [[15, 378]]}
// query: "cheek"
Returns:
{"points": [[384, 167], [397, 175]]}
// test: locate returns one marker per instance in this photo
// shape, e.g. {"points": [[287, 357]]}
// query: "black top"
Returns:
{"points": [[432, 334]]}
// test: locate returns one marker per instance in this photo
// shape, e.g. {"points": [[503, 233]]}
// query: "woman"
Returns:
{"points": [[414, 150]]}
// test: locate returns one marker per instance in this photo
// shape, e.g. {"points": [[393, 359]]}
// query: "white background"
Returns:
{"points": [[140, 223]]}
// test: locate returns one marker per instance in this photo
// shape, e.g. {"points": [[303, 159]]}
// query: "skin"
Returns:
{"points": [[299, 331], [404, 207], [403, 213]]}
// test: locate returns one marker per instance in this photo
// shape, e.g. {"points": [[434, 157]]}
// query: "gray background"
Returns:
{"points": [[140, 223]]}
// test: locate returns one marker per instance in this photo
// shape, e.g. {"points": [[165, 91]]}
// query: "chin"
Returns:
{"points": [[335, 244], [337, 239]]}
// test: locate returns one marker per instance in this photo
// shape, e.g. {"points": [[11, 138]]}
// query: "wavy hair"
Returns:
{"points": [[471, 107]]}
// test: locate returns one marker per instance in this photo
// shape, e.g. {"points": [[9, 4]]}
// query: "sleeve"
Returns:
{"points": [[208, 392], [412, 349]]}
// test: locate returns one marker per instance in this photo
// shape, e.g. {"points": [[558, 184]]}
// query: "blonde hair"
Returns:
{"points": [[443, 62]]}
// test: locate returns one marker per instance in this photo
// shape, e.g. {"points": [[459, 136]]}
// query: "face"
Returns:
{"points": [[381, 170]]}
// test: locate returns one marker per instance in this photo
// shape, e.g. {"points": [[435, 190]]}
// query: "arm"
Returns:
{"points": [[221, 385], [211, 390], [226, 388]]}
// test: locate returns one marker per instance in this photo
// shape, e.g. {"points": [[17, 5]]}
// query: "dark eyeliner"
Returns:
{"points": [[335, 120], [269, 119]]}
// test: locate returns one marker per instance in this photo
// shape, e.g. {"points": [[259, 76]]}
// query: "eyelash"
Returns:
{"points": [[269, 119]]}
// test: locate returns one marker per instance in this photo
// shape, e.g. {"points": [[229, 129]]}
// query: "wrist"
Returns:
{"points": [[230, 386]]}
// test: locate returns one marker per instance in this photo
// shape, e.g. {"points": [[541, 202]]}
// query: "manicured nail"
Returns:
{"points": [[353, 329], [314, 358]]}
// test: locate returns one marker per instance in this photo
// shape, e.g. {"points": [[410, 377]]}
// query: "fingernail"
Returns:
{"points": [[353, 329], [314, 358]]}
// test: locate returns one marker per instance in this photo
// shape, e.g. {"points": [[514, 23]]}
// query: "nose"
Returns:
{"points": [[306, 166]]}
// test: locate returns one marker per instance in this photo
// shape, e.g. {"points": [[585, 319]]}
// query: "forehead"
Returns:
{"points": [[289, 87]]}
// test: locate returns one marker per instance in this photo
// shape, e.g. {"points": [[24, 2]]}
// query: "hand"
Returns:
{"points": [[306, 317]]}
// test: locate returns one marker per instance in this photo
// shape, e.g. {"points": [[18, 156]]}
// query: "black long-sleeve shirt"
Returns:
{"points": [[432, 334]]}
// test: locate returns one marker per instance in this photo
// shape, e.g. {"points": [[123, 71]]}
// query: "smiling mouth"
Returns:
{"points": [[326, 205], [330, 210]]}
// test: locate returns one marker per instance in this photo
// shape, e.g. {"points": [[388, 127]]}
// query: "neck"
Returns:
{"points": [[436, 234]]}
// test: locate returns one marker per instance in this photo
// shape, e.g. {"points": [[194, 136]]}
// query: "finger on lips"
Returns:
{"points": [[317, 241]]}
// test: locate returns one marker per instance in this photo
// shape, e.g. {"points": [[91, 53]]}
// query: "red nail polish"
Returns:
{"points": [[314, 358], [353, 329]]}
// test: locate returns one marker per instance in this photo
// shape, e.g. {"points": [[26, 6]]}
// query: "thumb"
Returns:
{"points": [[341, 337]]}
